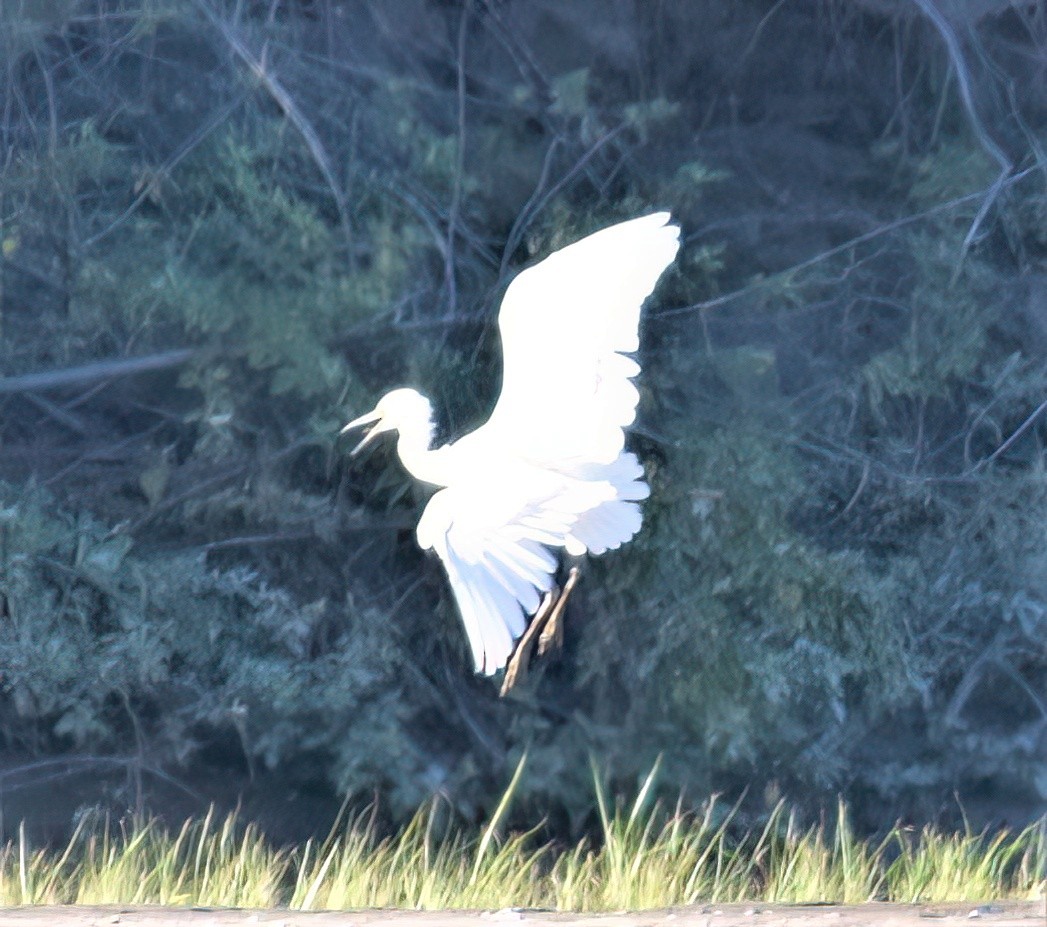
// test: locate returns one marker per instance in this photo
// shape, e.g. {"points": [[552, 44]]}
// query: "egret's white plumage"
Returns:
{"points": [[548, 469]]}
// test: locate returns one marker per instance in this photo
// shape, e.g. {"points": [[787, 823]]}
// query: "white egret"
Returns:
{"points": [[548, 469]]}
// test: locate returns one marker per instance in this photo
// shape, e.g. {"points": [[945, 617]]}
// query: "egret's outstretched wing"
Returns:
{"points": [[492, 536], [565, 325]]}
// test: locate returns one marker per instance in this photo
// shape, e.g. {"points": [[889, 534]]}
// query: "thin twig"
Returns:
{"points": [[66, 766], [459, 171], [518, 227], [174, 501], [972, 676], [526, 217], [862, 483], [288, 106], [255, 539], [774, 278], [522, 57], [169, 165], [106, 452], [59, 414], [963, 81], [1015, 435]]}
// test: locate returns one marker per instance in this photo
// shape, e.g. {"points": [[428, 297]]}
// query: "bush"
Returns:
{"points": [[838, 584]]}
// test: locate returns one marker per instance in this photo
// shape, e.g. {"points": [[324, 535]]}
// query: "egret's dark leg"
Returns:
{"points": [[552, 633], [516, 669]]}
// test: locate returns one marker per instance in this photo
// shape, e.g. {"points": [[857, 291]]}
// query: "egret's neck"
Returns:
{"points": [[415, 449]]}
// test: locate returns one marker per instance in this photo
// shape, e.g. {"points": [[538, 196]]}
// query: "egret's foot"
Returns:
{"points": [[516, 669], [552, 633]]}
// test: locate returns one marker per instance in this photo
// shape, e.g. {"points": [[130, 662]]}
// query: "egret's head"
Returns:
{"points": [[400, 409]]}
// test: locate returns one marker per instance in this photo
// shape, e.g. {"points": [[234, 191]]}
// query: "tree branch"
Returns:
{"points": [[100, 370]]}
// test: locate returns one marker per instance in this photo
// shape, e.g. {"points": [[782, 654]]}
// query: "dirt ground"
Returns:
{"points": [[1027, 914]]}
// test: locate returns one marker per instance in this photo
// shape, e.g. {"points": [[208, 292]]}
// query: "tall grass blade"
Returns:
{"points": [[497, 818]]}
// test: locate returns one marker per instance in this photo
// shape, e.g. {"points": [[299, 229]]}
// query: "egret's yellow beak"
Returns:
{"points": [[372, 418]]}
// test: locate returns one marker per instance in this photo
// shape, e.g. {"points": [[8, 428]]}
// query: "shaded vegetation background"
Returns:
{"points": [[228, 226]]}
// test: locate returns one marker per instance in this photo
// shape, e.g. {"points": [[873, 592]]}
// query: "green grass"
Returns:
{"points": [[647, 856]]}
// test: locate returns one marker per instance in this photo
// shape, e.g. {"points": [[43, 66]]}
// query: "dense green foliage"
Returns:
{"points": [[841, 583]]}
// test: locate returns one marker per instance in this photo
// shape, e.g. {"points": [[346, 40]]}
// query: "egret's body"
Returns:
{"points": [[548, 469]]}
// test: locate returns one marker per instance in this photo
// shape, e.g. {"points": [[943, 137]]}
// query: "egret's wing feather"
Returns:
{"points": [[491, 536], [565, 323]]}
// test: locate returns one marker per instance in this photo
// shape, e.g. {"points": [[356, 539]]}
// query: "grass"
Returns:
{"points": [[646, 857]]}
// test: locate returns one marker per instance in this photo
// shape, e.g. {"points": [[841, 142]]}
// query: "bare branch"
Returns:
{"points": [[283, 99], [183, 150], [963, 81], [773, 279], [529, 212], [100, 370], [1015, 435], [459, 171]]}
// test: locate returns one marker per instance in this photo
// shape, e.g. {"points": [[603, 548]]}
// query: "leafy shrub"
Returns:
{"points": [[838, 584]]}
